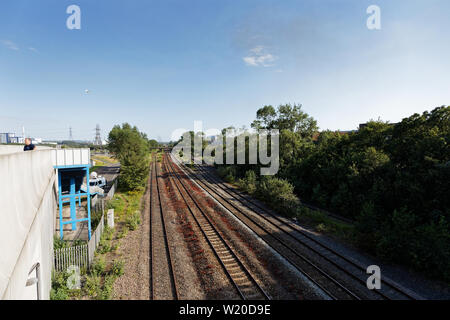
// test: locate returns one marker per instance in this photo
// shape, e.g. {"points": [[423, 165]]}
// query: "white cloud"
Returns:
{"points": [[33, 49], [259, 57], [10, 45]]}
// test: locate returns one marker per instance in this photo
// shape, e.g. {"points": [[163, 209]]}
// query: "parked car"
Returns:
{"points": [[97, 181]]}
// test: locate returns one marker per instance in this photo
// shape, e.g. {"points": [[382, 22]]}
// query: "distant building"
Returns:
{"points": [[8, 137], [3, 138], [14, 140]]}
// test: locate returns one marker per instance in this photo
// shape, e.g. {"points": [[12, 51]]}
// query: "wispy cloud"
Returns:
{"points": [[9, 44], [259, 57], [33, 49]]}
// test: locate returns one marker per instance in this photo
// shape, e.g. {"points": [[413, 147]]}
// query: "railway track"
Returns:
{"points": [[239, 276], [358, 272], [163, 282], [341, 278]]}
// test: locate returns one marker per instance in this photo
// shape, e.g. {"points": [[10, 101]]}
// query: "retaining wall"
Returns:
{"points": [[28, 204]]}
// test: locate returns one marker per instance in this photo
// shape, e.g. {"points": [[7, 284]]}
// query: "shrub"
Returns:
{"points": [[249, 182], [58, 243], [59, 289], [228, 173], [279, 193], [59, 294]]}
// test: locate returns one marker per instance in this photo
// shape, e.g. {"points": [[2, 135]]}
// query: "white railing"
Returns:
{"points": [[95, 239], [81, 255], [66, 257]]}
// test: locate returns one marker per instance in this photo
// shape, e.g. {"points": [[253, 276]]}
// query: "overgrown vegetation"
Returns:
{"points": [[392, 179], [130, 147], [59, 244], [97, 283]]}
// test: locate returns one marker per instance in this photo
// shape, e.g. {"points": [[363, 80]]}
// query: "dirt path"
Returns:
{"points": [[135, 251]]}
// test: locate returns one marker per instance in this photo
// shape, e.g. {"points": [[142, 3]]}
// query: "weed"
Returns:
{"points": [[134, 220]]}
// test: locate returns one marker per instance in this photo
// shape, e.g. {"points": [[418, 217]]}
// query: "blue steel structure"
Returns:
{"points": [[70, 179]]}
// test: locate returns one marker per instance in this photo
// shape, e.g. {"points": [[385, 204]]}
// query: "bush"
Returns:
{"points": [[249, 182], [59, 294], [58, 243], [432, 249], [59, 289], [279, 193], [228, 173]]}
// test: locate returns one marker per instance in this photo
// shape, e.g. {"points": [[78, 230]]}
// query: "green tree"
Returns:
{"points": [[393, 179], [130, 147], [153, 143], [286, 117]]}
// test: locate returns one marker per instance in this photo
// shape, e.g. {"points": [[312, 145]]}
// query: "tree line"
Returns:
{"points": [[391, 179]]}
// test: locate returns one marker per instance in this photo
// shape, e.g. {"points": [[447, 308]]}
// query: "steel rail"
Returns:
{"points": [[151, 231], [317, 268], [168, 248], [221, 185], [294, 264], [216, 233]]}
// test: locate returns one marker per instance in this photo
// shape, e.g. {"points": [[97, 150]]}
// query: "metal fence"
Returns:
{"points": [[95, 239], [111, 191], [65, 257], [81, 255], [97, 199]]}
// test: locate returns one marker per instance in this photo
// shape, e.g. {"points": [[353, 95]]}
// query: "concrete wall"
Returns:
{"points": [[28, 204], [8, 149]]}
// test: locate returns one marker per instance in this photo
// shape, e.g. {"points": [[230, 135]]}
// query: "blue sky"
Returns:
{"points": [[162, 64]]}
